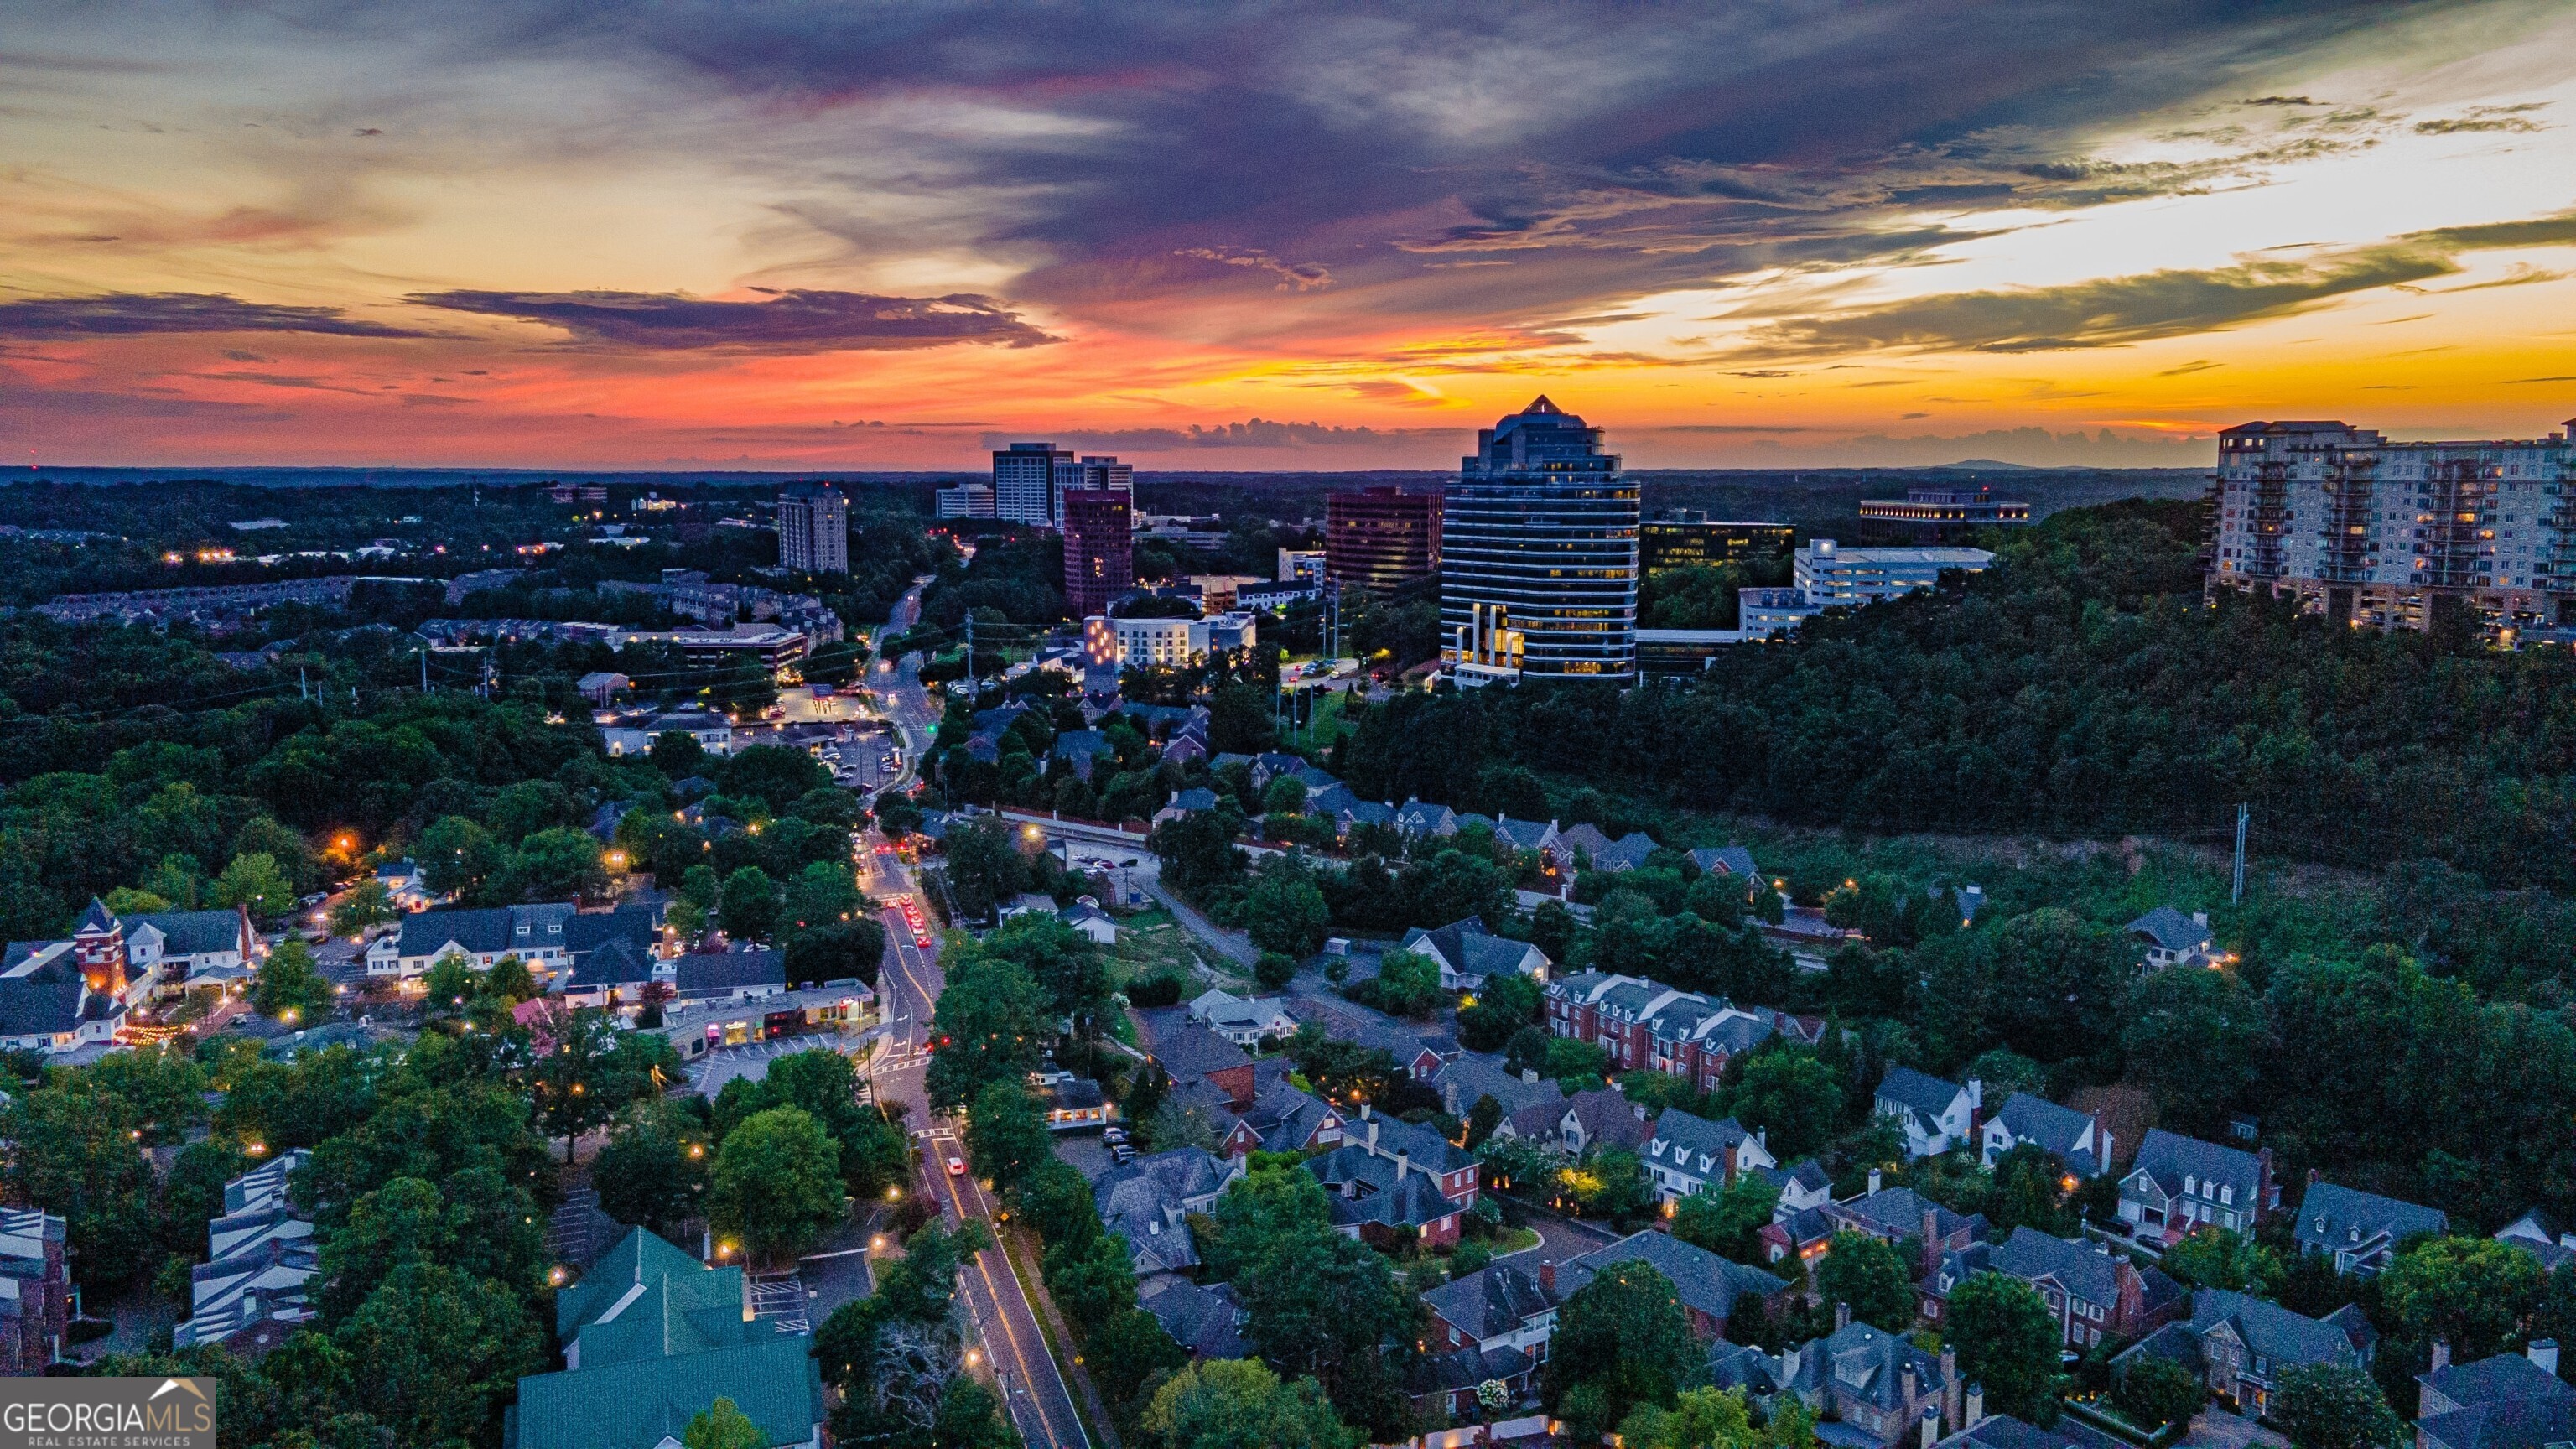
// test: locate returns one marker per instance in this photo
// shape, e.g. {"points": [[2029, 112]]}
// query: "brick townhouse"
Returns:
{"points": [[1646, 1025]]}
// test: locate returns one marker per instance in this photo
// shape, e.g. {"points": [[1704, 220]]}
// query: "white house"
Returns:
{"points": [[1245, 1023], [2028, 1121], [1086, 916], [1687, 1154], [1933, 1114]]}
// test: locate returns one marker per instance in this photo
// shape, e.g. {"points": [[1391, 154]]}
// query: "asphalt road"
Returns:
{"points": [[1006, 1323]]}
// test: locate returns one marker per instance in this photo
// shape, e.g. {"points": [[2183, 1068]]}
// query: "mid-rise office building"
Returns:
{"points": [[966, 500], [1381, 539], [2355, 526], [1538, 555], [1301, 565], [1099, 548], [1937, 506], [813, 529], [1824, 575], [1026, 479], [1105, 472], [1690, 540], [1030, 481]]}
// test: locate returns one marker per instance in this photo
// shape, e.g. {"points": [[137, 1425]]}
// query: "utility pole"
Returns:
{"points": [[424, 671], [2236, 893], [303, 690]]}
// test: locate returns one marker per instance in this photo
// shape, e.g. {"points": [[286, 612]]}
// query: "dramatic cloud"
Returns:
{"points": [[2115, 311], [134, 314], [792, 321]]}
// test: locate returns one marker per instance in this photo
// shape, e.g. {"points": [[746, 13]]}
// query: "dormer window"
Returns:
{"points": [[2190, 1184], [2227, 1193]]}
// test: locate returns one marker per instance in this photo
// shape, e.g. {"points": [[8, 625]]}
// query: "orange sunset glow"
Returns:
{"points": [[1221, 237]]}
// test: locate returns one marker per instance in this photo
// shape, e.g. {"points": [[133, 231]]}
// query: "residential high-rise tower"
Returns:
{"points": [[1099, 548], [1538, 555], [1381, 539], [2357, 527], [813, 529]]}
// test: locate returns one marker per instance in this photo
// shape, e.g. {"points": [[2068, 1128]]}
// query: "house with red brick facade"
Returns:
{"points": [[1644, 1025]]}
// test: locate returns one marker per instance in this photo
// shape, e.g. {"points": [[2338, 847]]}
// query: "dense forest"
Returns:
{"points": [[2081, 686]]}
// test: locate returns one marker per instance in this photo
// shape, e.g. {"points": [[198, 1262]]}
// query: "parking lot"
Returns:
{"points": [[750, 1060]]}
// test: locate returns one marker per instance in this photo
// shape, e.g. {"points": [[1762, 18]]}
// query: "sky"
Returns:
{"points": [[1211, 236]]}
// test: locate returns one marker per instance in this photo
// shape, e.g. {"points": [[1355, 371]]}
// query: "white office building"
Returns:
{"points": [[1028, 478], [966, 500], [1824, 575], [1140, 643]]}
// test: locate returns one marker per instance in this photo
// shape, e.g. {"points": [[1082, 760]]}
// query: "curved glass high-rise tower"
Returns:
{"points": [[1538, 555]]}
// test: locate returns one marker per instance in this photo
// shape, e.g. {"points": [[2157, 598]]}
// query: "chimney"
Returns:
{"points": [[1842, 1316], [1529, 1076], [1873, 1182], [1931, 1431], [1976, 1405], [1950, 1389], [1976, 1096], [2544, 1352], [1449, 1097], [2200, 918], [2441, 1354], [1789, 1365], [2315, 1177], [1762, 1138], [1547, 1279], [1639, 1108], [1403, 1159], [1372, 1126]]}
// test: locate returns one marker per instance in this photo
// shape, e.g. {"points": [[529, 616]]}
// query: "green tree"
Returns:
{"points": [[1128, 1355], [1238, 1404], [652, 1171], [776, 1185], [2195, 1039], [1007, 1134], [677, 753], [288, 986], [2154, 1392], [510, 981], [74, 1149], [457, 856], [2473, 1293], [553, 865], [1793, 1097], [2213, 1257], [1865, 1272], [2330, 1406], [824, 895], [992, 1022], [1724, 1221], [367, 904], [448, 982], [723, 1426], [1285, 911], [257, 882], [1408, 983], [2007, 1340], [1698, 1419], [1623, 1335], [442, 1351], [750, 904]]}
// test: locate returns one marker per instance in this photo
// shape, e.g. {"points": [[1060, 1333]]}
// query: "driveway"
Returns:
{"points": [[2216, 1428], [1235, 948]]}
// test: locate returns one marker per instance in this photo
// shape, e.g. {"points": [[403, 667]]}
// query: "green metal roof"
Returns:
{"points": [[636, 1403]]}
